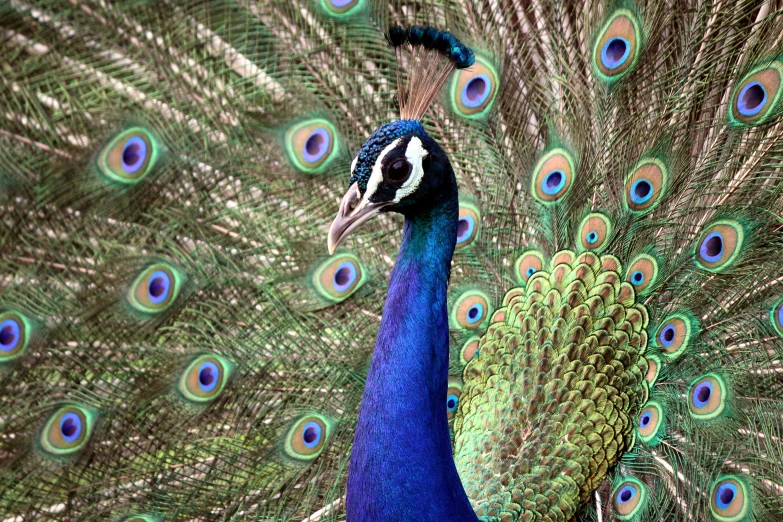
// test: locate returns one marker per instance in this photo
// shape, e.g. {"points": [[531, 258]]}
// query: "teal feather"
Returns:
{"points": [[211, 142]]}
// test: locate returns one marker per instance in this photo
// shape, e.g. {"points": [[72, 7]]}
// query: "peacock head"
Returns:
{"points": [[400, 167]]}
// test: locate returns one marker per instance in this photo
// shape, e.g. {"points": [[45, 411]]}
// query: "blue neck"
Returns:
{"points": [[402, 466]]}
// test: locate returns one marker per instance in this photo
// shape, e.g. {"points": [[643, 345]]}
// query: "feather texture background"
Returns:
{"points": [[231, 200]]}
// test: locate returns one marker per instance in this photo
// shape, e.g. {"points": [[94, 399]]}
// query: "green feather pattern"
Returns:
{"points": [[175, 343]]}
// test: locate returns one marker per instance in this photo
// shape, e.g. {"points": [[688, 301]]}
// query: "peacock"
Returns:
{"points": [[404, 260]]}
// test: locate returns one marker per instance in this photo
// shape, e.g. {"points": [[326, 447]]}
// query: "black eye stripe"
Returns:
{"points": [[384, 193], [397, 152], [367, 157], [366, 164]]}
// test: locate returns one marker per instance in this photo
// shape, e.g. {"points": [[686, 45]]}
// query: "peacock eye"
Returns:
{"points": [[720, 245], [629, 498], [707, 397], [311, 145], [757, 96], [642, 273], [155, 288], [473, 90], [205, 378], [675, 334], [730, 499], [339, 276], [645, 186], [528, 264], [14, 335], [651, 423], [470, 310], [469, 349], [468, 224], [618, 46], [130, 156], [553, 176], [67, 430], [595, 232], [307, 437], [397, 171], [452, 396]]}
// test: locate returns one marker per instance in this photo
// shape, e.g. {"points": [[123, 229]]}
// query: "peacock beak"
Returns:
{"points": [[354, 210]]}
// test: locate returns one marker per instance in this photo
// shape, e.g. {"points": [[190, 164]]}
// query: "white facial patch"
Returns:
{"points": [[376, 176], [353, 164], [415, 153]]}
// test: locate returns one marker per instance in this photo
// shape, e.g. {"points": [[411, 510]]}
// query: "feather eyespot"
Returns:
{"points": [[340, 7], [719, 245], [155, 289], [645, 186], [617, 47], [615, 52], [595, 231], [707, 397], [453, 394], [339, 276], [553, 176], [675, 334], [642, 273], [307, 437], [470, 310], [757, 96], [528, 264], [751, 99], [776, 317], [204, 378], [15, 330], [67, 431], [468, 224], [311, 145], [473, 90], [650, 425], [629, 498], [730, 499], [129, 156], [469, 350], [653, 369]]}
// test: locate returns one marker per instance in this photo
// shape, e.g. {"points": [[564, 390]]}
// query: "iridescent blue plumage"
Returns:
{"points": [[379, 140], [402, 466]]}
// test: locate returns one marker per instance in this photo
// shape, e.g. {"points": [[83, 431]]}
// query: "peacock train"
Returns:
{"points": [[391, 261]]}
